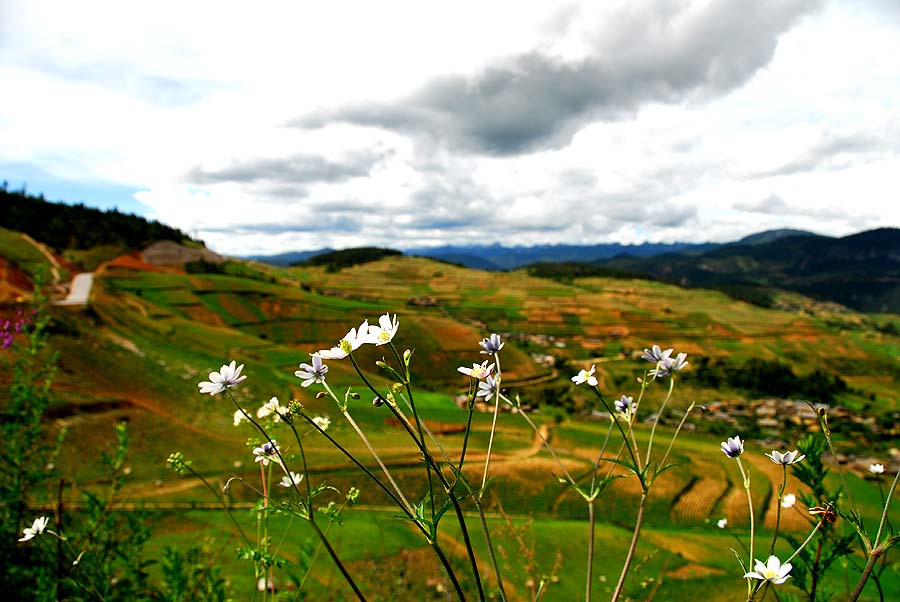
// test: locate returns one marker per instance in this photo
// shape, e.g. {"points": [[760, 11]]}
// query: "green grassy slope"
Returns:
{"points": [[150, 337]]}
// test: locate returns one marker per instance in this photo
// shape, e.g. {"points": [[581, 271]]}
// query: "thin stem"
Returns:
{"points": [[465, 443], [887, 505], [490, 547], [870, 564], [545, 443], [675, 436], [827, 432], [658, 416], [449, 570], [814, 573], [746, 477], [631, 548], [368, 445], [876, 550], [431, 464], [635, 458], [221, 500], [806, 541], [590, 551], [412, 405], [336, 560], [359, 465], [487, 459], [778, 508]]}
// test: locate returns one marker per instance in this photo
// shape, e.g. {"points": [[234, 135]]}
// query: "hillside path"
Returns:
{"points": [[80, 290], [54, 265]]}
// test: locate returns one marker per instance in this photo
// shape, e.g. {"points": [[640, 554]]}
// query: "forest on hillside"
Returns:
{"points": [[65, 226]]}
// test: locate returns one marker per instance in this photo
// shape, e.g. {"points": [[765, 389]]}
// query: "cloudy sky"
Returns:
{"points": [[270, 127]]}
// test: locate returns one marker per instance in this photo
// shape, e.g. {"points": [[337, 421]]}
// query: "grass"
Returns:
{"points": [[186, 326]]}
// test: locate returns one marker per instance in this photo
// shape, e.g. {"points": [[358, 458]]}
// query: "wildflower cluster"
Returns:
{"points": [[447, 484], [10, 328]]}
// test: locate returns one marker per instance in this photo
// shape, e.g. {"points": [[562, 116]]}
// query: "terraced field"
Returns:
{"points": [[164, 331]]}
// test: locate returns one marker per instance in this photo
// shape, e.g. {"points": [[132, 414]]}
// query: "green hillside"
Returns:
{"points": [[861, 271], [149, 337]]}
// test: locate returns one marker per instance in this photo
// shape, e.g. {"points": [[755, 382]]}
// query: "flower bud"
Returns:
{"points": [[320, 394]]}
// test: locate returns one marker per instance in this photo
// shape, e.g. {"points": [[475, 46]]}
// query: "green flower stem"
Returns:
{"points": [[635, 458], [490, 547], [421, 440], [544, 441], [448, 569], [412, 405], [448, 488], [471, 412], [665, 457], [318, 550], [590, 551], [887, 505], [778, 508], [592, 518], [264, 479], [746, 477], [311, 518], [309, 495], [359, 465], [877, 550], [434, 545], [658, 415], [337, 561], [826, 430], [375, 455], [221, 500], [487, 459], [807, 540], [372, 451], [631, 548]]}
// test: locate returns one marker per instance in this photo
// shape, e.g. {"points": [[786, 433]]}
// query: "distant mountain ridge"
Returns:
{"points": [[861, 271], [498, 257], [510, 258]]}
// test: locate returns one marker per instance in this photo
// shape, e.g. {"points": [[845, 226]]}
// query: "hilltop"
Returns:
{"points": [[860, 271], [85, 235]]}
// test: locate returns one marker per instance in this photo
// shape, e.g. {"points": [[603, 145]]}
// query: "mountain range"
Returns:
{"points": [[860, 271]]}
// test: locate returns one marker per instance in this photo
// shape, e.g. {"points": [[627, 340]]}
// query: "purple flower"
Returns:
{"points": [[487, 388], [733, 447], [266, 452], [312, 374], [668, 365], [625, 405], [656, 355], [491, 345]]}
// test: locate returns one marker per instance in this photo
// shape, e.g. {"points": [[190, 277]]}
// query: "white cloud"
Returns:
{"points": [[469, 122]]}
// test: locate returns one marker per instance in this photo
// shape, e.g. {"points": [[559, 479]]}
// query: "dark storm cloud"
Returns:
{"points": [[662, 52], [300, 168]]}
